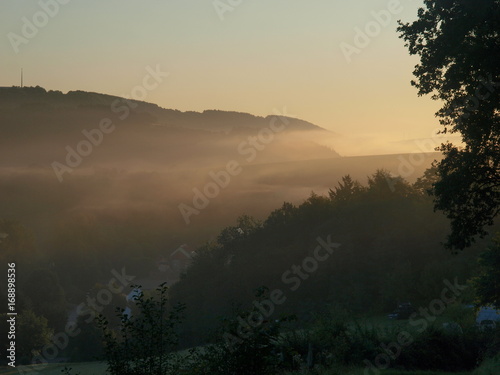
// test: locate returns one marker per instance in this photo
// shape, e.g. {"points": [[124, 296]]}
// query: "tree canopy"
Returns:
{"points": [[459, 48]]}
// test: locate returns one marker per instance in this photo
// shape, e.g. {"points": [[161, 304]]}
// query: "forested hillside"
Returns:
{"points": [[388, 252]]}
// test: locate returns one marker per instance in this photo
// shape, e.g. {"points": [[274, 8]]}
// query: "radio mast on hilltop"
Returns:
{"points": [[21, 77]]}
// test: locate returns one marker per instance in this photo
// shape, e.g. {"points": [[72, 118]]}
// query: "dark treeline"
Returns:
{"points": [[390, 253]]}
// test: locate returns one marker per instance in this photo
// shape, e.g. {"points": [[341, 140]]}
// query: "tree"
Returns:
{"points": [[486, 284], [347, 190], [32, 334], [382, 185], [281, 216], [458, 43], [424, 184], [43, 293], [245, 225]]}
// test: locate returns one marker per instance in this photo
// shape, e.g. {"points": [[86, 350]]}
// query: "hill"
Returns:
{"points": [[44, 123]]}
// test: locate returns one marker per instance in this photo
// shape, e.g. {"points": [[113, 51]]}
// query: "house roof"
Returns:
{"points": [[183, 252]]}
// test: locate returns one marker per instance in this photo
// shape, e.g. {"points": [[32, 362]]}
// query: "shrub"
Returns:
{"points": [[241, 348], [143, 343]]}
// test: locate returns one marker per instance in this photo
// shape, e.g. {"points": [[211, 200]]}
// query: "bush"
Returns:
{"points": [[143, 343], [436, 349], [241, 348], [87, 345], [330, 339]]}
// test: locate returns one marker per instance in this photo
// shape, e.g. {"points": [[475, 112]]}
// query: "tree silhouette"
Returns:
{"points": [[486, 283], [346, 190], [459, 48]]}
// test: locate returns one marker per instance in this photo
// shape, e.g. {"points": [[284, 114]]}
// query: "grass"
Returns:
{"points": [[361, 371], [489, 367], [398, 372], [84, 368], [383, 322], [99, 368]]}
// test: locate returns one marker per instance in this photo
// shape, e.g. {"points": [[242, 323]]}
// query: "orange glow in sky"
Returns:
{"points": [[252, 56]]}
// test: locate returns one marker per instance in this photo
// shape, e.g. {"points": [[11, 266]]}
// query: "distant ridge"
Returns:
{"points": [[50, 125], [211, 119]]}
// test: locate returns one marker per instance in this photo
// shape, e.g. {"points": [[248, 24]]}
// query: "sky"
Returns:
{"points": [[254, 56]]}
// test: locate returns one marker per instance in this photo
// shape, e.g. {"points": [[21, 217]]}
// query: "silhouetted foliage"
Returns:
{"points": [[390, 252], [487, 283], [246, 343], [346, 190], [87, 345], [32, 335], [143, 343], [458, 45]]}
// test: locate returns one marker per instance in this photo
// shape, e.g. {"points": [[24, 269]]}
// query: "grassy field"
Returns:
{"points": [[86, 368], [99, 368], [361, 371]]}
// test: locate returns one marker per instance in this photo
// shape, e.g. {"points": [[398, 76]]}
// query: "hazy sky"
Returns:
{"points": [[256, 56]]}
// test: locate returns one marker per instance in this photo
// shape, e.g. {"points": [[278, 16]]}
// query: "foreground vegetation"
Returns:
{"points": [[99, 368], [247, 343]]}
